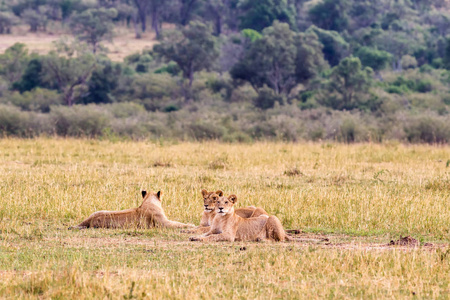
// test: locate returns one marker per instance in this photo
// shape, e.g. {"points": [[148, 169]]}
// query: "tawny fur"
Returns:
{"points": [[149, 214], [228, 226], [209, 200]]}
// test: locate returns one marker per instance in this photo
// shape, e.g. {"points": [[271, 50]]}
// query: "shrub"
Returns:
{"points": [[14, 122], [125, 109], [171, 68], [205, 131], [153, 86], [348, 131], [80, 121], [237, 137], [408, 62], [424, 86], [36, 100], [267, 98], [242, 94], [428, 129]]}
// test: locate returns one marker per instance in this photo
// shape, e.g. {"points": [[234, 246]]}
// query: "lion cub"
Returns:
{"points": [[229, 226], [149, 214]]}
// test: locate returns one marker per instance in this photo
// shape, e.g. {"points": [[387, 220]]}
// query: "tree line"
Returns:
{"points": [[382, 58]]}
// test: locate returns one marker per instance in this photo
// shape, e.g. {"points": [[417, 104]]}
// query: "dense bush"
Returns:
{"points": [[36, 100], [79, 121], [428, 129], [236, 71]]}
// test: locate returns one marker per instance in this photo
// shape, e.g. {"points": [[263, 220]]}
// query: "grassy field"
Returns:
{"points": [[349, 201]]}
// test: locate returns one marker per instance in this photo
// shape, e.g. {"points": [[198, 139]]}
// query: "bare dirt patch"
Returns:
{"points": [[408, 241], [360, 243], [301, 240]]}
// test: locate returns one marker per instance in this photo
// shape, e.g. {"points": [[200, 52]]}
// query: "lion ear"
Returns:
{"points": [[204, 193], [232, 198], [143, 193], [219, 192], [158, 194]]}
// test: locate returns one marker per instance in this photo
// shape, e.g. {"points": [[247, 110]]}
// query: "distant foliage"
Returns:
{"points": [[348, 84], [330, 14], [229, 70], [7, 21], [94, 26], [259, 14]]}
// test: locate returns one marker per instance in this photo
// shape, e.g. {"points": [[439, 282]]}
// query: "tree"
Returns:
{"points": [[186, 9], [156, 8], [142, 6], [259, 14], [364, 13], [374, 58], [35, 18], [280, 59], [334, 46], [193, 49], [217, 11], [103, 81], [397, 43], [446, 60], [68, 69], [309, 61], [13, 62], [7, 21], [32, 77], [348, 84], [269, 60], [67, 8], [94, 25], [330, 15]]}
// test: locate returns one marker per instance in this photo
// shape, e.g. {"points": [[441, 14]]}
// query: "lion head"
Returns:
{"points": [[210, 198], [224, 205]]}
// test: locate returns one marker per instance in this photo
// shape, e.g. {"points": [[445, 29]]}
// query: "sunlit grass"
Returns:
{"points": [[372, 193]]}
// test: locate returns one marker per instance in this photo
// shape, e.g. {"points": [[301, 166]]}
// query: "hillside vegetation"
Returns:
{"points": [[230, 70]]}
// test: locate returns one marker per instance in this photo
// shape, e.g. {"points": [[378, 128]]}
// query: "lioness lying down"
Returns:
{"points": [[209, 200], [228, 226], [149, 214]]}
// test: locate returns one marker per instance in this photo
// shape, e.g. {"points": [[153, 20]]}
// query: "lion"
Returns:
{"points": [[149, 214], [209, 200], [229, 226]]}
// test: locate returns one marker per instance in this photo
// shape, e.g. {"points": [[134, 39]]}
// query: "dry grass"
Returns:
{"points": [[124, 42], [349, 201]]}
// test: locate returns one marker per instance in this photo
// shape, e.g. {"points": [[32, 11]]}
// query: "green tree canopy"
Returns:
{"points": [[259, 14], [68, 69], [446, 60], [280, 59], [193, 49], [374, 58], [330, 14], [94, 25], [13, 62], [334, 46], [7, 21], [348, 85]]}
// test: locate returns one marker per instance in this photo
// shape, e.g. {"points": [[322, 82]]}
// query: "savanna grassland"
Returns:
{"points": [[349, 201]]}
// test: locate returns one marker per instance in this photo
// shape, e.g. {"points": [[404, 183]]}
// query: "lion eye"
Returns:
{"points": [[226, 202]]}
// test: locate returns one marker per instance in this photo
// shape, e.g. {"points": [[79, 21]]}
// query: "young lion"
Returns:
{"points": [[228, 226], [209, 200], [149, 214]]}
